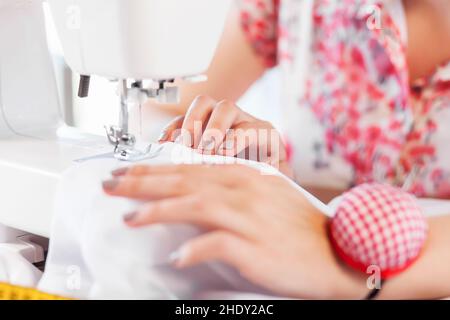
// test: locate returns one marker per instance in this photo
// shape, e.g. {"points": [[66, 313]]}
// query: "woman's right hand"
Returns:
{"points": [[222, 128]]}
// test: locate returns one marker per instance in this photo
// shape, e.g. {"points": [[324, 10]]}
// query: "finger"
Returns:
{"points": [[150, 187], [236, 141], [253, 140], [224, 174], [222, 118], [142, 170], [220, 246], [196, 118], [167, 133], [147, 182], [285, 168], [243, 140], [192, 209]]}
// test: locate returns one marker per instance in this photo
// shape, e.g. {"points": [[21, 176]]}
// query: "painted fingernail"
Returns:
{"points": [[208, 145], [229, 144], [176, 257], [110, 185], [184, 140], [163, 136], [130, 216], [120, 172], [179, 139]]}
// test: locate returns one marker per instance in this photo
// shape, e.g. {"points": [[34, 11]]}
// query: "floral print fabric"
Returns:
{"points": [[357, 87]]}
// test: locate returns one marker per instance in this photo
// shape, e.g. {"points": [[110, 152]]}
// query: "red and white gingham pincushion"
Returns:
{"points": [[378, 225]]}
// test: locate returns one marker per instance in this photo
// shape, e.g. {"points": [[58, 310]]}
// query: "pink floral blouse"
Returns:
{"points": [[350, 114]]}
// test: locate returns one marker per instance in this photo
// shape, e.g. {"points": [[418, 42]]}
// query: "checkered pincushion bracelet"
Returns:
{"points": [[380, 227]]}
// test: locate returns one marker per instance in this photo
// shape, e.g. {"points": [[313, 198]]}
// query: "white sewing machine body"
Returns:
{"points": [[139, 39], [121, 39]]}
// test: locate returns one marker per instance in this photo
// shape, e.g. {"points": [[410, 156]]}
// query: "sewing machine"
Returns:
{"points": [[142, 44]]}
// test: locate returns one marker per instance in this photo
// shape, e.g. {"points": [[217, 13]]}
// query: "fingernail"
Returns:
{"points": [[184, 140], [163, 136], [175, 257], [179, 140], [226, 149], [120, 172], [229, 144], [130, 216], [208, 145], [110, 185]]}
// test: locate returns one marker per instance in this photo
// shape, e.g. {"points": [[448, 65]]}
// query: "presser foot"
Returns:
{"points": [[134, 155], [128, 155], [125, 145], [119, 138]]}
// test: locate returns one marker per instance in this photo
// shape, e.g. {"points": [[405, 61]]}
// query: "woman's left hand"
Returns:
{"points": [[259, 224]]}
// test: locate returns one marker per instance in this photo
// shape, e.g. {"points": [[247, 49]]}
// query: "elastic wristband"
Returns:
{"points": [[375, 292]]}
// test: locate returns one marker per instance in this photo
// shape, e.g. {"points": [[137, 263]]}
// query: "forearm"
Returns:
{"points": [[429, 277]]}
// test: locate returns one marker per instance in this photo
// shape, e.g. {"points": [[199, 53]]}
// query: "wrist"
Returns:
{"points": [[343, 282], [348, 284], [335, 280]]}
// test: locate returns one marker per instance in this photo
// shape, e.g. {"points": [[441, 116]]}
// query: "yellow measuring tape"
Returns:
{"points": [[10, 292]]}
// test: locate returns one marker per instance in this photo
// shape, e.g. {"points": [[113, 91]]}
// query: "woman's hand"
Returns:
{"points": [[259, 224], [222, 128]]}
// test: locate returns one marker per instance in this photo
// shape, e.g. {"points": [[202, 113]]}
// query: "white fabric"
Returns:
{"points": [[16, 270], [94, 255]]}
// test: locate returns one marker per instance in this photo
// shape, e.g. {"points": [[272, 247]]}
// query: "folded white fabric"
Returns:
{"points": [[93, 254], [16, 270]]}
